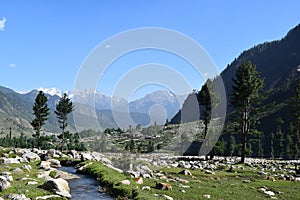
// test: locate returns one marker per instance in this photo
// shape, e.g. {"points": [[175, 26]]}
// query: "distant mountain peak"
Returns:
{"points": [[51, 91]]}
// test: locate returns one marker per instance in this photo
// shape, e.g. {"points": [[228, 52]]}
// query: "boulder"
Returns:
{"points": [[31, 157], [58, 186], [45, 165], [139, 180], [206, 196], [185, 172], [163, 186], [125, 182], [4, 183], [17, 197], [86, 156], [146, 188], [54, 163]]}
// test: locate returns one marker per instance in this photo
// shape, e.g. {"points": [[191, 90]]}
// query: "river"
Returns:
{"points": [[85, 187]]}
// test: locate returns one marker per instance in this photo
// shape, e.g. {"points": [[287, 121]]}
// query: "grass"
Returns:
{"points": [[222, 185], [20, 187]]}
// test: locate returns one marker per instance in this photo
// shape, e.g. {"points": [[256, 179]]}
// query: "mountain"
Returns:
{"points": [[92, 109], [278, 62]]}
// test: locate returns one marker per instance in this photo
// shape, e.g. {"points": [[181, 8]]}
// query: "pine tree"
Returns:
{"points": [[41, 112], [63, 108], [279, 138], [208, 99], [245, 97], [232, 144], [296, 110]]}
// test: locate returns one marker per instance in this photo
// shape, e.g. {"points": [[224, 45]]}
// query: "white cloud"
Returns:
{"points": [[12, 65], [107, 46], [2, 24]]}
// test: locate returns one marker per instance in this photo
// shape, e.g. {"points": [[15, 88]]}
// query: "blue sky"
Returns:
{"points": [[44, 43]]}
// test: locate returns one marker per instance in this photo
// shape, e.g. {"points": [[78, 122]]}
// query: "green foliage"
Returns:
{"points": [[41, 112], [63, 108], [245, 98], [52, 174]]}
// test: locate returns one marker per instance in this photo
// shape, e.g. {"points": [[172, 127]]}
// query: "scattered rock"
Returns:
{"points": [[125, 182], [168, 197], [185, 172], [48, 197], [32, 183], [9, 161], [206, 196], [209, 172], [146, 188], [18, 170], [31, 157], [246, 181], [45, 165], [139, 180], [59, 186], [183, 191], [17, 197], [54, 163], [4, 183], [163, 186]]}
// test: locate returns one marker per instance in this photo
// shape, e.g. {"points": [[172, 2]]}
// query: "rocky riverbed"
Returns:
{"points": [[34, 174]]}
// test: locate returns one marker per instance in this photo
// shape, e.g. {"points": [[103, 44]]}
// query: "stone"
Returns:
{"points": [[10, 161], [146, 188], [4, 183], [209, 172], [146, 176], [183, 191], [246, 181], [168, 197], [18, 170], [48, 197], [185, 172], [32, 183], [125, 182], [139, 180], [58, 186], [45, 165], [85, 156], [8, 178], [206, 196], [17, 197], [31, 157], [163, 186], [26, 167], [54, 163]]}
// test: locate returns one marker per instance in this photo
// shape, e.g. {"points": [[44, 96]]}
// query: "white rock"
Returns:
{"points": [[207, 196], [125, 182], [168, 197], [59, 186]]}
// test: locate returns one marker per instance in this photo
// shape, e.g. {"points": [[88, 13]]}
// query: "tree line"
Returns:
{"points": [[247, 99], [41, 111]]}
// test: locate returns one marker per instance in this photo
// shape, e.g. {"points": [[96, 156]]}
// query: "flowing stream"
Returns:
{"points": [[85, 187]]}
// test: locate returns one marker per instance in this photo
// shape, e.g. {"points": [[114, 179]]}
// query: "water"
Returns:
{"points": [[85, 187]]}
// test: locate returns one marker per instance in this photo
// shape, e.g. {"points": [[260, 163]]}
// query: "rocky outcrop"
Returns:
{"points": [[58, 186]]}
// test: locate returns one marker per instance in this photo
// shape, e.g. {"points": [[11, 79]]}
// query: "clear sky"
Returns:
{"points": [[44, 43]]}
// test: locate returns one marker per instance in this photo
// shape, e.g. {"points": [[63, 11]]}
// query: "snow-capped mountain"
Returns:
{"points": [[51, 91]]}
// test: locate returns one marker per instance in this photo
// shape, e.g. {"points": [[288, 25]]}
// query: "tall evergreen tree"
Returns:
{"points": [[41, 112], [245, 97], [296, 110], [63, 108], [208, 99], [272, 146], [279, 138]]}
